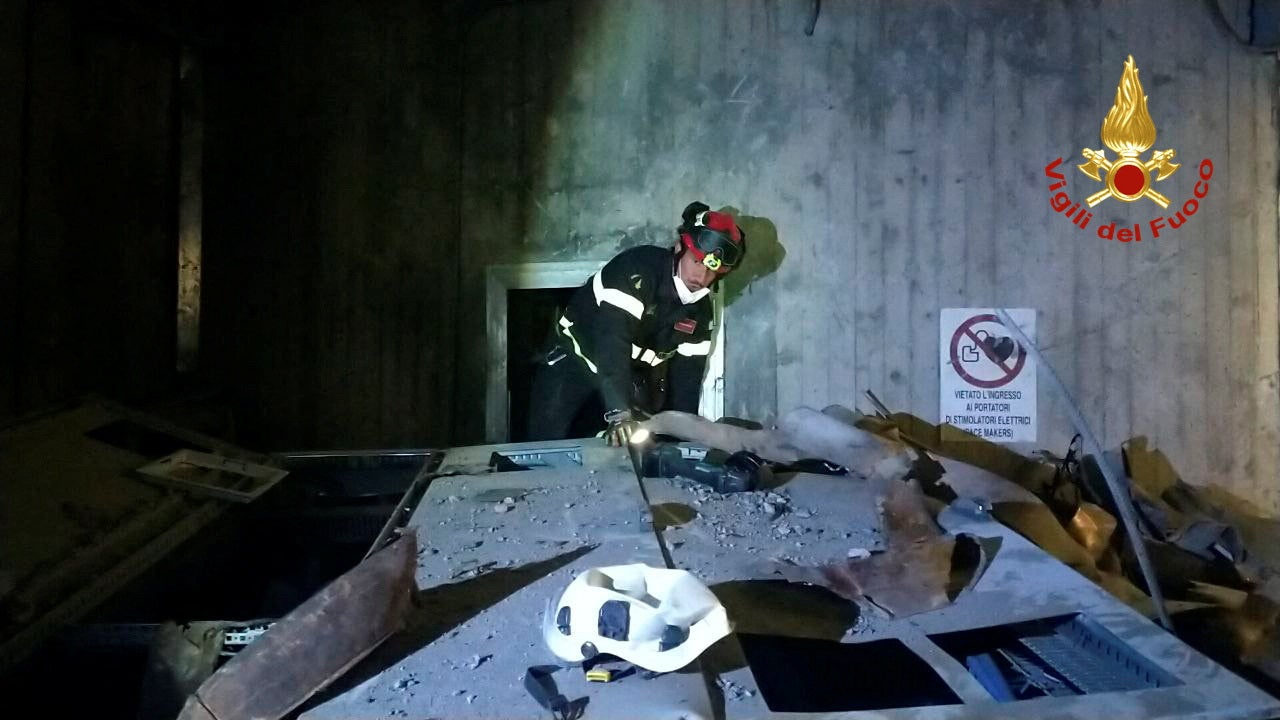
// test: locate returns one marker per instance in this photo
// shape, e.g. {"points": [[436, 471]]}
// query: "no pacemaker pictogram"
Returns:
{"points": [[983, 359]]}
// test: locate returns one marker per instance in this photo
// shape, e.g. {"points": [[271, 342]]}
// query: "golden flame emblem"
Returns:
{"points": [[1128, 130]]}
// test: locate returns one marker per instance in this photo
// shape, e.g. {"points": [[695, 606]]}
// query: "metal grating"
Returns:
{"points": [[561, 457], [1094, 660], [1057, 657]]}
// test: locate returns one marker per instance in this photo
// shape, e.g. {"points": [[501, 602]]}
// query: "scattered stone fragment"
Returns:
{"points": [[405, 683], [860, 625], [453, 498], [478, 660], [508, 501], [471, 699], [501, 508], [804, 514], [858, 553]]}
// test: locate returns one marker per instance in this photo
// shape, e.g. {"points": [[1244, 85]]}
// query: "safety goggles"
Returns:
{"points": [[715, 249]]}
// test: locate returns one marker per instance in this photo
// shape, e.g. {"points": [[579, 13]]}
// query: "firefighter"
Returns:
{"points": [[647, 309]]}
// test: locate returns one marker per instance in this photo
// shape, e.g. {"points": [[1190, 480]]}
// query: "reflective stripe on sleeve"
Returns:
{"points": [[577, 349], [694, 349], [646, 355], [617, 298]]}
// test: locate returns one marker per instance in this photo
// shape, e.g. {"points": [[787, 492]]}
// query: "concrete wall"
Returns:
{"points": [[86, 206], [890, 165], [331, 223], [13, 71]]}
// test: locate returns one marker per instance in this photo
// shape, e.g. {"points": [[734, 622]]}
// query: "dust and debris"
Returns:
{"points": [[859, 626], [733, 690], [730, 531], [406, 682]]}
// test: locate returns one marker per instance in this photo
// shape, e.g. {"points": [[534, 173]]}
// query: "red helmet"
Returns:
{"points": [[713, 237]]}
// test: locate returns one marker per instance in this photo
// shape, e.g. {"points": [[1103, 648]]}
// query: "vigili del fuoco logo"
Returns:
{"points": [[1128, 131]]}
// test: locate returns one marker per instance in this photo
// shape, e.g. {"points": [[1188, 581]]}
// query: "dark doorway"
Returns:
{"points": [[531, 322]]}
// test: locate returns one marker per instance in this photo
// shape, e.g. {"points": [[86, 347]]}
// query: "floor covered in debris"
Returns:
{"points": [[872, 583], [495, 550]]}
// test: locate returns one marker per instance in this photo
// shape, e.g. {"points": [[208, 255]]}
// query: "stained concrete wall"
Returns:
{"points": [[331, 221], [86, 206], [890, 165]]}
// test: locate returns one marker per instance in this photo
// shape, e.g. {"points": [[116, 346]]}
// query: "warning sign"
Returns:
{"points": [[987, 381]]}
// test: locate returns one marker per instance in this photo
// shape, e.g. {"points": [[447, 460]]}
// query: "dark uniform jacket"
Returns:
{"points": [[628, 316]]}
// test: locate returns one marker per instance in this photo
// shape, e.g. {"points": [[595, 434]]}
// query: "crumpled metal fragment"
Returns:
{"points": [[1092, 527], [906, 580]]}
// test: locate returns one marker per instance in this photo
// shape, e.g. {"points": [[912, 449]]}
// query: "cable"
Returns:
{"points": [[1119, 495]]}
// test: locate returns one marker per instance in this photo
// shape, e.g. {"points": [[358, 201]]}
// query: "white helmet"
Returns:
{"points": [[654, 618]]}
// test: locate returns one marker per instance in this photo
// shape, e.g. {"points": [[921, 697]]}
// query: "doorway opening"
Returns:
{"points": [[532, 315], [523, 302]]}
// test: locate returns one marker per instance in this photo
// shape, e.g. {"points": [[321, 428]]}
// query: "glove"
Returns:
{"points": [[622, 425]]}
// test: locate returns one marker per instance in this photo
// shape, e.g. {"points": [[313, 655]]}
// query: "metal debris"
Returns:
{"points": [[733, 690], [316, 643]]}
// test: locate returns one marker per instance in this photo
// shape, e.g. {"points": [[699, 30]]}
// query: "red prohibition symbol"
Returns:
{"points": [[1007, 372]]}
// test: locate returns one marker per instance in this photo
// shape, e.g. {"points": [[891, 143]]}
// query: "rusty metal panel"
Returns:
{"points": [[316, 643]]}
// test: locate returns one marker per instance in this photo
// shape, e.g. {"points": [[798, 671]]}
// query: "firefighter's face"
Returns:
{"points": [[694, 274]]}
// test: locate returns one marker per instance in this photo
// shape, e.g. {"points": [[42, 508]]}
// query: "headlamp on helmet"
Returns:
{"points": [[715, 240]]}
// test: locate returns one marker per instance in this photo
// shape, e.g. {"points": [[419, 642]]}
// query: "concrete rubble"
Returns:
{"points": [[497, 548]]}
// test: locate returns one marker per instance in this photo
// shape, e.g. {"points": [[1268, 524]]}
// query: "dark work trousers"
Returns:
{"points": [[560, 388]]}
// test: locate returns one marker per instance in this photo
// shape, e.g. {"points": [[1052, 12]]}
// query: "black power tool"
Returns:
{"points": [[740, 472]]}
